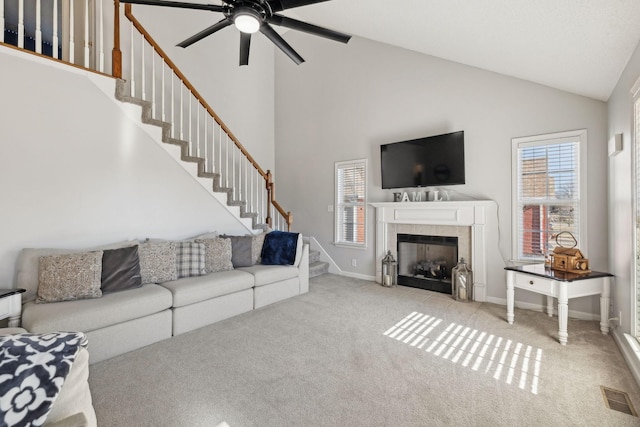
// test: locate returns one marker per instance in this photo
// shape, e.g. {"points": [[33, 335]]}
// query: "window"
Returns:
{"points": [[548, 194], [351, 200]]}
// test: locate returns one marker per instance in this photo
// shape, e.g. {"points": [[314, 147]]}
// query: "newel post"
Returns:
{"points": [[116, 54], [269, 187]]}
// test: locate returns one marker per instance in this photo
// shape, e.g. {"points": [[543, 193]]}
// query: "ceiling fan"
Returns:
{"points": [[250, 16]]}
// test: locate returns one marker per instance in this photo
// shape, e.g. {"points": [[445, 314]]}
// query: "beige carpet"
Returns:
{"points": [[352, 353]]}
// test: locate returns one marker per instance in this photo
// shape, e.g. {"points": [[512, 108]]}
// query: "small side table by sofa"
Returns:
{"points": [[563, 286], [11, 305]]}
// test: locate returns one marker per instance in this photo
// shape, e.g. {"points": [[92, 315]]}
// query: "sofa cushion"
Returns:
{"points": [[29, 261], [157, 261], [70, 277], [120, 269], [281, 248], [267, 274], [195, 289], [217, 254], [190, 259], [91, 314]]}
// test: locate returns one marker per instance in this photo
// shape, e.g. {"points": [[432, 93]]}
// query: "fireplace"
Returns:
{"points": [[472, 222], [426, 261]]}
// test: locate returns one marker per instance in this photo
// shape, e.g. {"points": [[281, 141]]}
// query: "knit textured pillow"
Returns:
{"points": [[157, 262], [190, 259], [217, 254], [69, 277]]}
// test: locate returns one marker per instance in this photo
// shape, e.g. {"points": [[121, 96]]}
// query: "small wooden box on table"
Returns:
{"points": [[561, 285], [11, 305]]}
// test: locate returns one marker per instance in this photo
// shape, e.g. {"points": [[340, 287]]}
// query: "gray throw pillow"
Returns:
{"points": [[217, 254], [190, 259], [120, 269], [241, 251], [69, 277], [157, 262]]}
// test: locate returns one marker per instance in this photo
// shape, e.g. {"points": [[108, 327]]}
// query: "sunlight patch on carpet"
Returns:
{"points": [[505, 360]]}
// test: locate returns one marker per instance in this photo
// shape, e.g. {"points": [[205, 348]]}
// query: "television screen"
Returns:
{"points": [[432, 161]]}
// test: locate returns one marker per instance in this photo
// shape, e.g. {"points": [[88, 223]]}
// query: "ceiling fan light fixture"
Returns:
{"points": [[247, 20]]}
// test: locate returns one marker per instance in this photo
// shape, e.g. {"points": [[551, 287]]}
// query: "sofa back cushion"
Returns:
{"points": [[29, 264]]}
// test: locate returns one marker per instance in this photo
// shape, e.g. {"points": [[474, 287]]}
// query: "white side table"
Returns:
{"points": [[563, 286], [11, 305]]}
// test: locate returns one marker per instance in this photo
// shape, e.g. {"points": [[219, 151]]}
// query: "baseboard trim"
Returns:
{"points": [[536, 307], [630, 349], [358, 276]]}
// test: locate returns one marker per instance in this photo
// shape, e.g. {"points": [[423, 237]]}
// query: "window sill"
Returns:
{"points": [[349, 246]]}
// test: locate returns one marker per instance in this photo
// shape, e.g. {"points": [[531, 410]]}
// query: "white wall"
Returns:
{"points": [[75, 171], [620, 108], [347, 100]]}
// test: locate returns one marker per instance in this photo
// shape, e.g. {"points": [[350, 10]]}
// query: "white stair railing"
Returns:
{"points": [[152, 76], [33, 25]]}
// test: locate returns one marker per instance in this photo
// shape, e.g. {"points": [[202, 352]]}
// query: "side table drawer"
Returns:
{"points": [[534, 284]]}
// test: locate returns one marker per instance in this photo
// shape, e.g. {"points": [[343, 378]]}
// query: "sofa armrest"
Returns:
{"points": [[75, 396], [303, 269]]}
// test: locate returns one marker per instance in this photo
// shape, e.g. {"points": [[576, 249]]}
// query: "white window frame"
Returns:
{"points": [[635, 155], [338, 203], [580, 136]]}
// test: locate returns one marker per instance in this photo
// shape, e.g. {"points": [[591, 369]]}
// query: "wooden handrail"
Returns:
{"points": [[265, 175]]}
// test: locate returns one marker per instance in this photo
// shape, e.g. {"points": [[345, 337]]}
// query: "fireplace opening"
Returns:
{"points": [[425, 262]]}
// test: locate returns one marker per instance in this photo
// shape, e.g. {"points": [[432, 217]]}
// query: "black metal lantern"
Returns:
{"points": [[389, 270]]}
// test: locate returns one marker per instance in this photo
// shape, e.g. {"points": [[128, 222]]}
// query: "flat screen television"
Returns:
{"points": [[432, 161]]}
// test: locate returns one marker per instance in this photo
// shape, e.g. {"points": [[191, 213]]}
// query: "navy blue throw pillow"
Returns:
{"points": [[279, 248]]}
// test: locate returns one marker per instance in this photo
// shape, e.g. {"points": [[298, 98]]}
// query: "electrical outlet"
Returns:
{"points": [[354, 263]]}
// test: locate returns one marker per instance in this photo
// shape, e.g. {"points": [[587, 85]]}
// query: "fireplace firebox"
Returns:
{"points": [[425, 262]]}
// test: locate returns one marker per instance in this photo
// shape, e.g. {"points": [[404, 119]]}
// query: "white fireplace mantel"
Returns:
{"points": [[470, 213]]}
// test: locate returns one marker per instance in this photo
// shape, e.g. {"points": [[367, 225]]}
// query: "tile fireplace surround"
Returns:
{"points": [[466, 220]]}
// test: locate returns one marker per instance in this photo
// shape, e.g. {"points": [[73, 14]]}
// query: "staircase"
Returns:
{"points": [[148, 78], [317, 267]]}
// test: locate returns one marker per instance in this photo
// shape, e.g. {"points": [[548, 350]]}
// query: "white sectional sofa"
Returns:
{"points": [[122, 321]]}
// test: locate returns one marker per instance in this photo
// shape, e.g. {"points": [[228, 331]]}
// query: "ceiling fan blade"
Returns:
{"points": [[271, 34], [206, 32], [210, 7], [294, 24], [280, 5], [245, 43]]}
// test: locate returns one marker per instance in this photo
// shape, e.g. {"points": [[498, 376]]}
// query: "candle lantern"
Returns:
{"points": [[389, 267], [462, 282]]}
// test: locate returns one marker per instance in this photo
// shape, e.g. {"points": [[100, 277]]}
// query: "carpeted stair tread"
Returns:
{"points": [[314, 256], [318, 268]]}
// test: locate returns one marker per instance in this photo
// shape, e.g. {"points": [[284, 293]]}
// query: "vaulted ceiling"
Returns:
{"points": [[580, 46]]}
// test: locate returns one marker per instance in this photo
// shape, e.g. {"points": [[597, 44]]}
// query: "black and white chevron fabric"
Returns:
{"points": [[33, 368]]}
